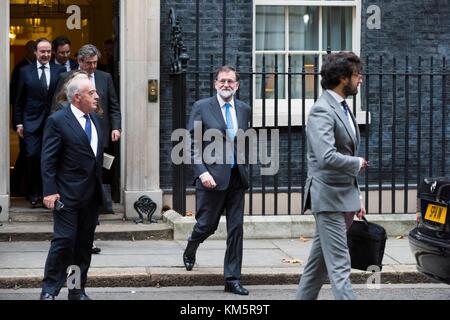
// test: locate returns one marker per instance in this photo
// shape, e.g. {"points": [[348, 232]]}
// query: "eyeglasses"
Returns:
{"points": [[359, 75], [223, 81]]}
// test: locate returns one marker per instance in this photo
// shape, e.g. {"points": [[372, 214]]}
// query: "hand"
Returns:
{"points": [[49, 201], [20, 132], [362, 212], [115, 135], [208, 181], [363, 164]]}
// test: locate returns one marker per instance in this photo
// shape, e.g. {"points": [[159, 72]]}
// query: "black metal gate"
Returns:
{"points": [[402, 104]]}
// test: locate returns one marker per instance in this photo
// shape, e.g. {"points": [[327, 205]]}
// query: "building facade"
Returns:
{"points": [[293, 33]]}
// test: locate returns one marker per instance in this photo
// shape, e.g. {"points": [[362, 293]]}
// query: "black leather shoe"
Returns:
{"points": [[34, 201], [46, 296], [78, 296], [95, 249], [236, 288], [188, 262], [189, 255]]}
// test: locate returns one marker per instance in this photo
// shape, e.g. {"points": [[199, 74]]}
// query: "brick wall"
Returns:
{"points": [[410, 28]]}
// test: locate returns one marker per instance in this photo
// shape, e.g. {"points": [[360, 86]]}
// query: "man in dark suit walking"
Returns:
{"points": [[72, 156], [61, 47], [220, 183], [37, 84]]}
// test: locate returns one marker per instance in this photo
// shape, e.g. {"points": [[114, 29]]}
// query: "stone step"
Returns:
{"points": [[20, 211], [45, 215], [107, 230]]}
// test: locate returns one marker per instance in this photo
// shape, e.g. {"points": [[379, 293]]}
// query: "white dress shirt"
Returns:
{"points": [[339, 99], [92, 78], [82, 120]]}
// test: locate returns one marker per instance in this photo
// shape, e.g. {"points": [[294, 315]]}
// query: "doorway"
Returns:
{"points": [[81, 21]]}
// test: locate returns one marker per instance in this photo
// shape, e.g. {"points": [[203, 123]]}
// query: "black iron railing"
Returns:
{"points": [[402, 109]]}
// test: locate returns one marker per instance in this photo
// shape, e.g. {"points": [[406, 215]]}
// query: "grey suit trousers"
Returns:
{"points": [[329, 255]]}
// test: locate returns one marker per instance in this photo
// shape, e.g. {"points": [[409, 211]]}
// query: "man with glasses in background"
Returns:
{"points": [[221, 182]]}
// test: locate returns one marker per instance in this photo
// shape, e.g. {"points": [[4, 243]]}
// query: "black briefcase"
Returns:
{"points": [[366, 242]]}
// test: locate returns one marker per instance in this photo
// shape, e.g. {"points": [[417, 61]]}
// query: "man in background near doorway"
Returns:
{"points": [[108, 52], [18, 178], [37, 84], [29, 58], [61, 51]]}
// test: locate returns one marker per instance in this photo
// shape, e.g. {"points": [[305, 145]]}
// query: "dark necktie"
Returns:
{"points": [[230, 127], [88, 128], [346, 108], [43, 78]]}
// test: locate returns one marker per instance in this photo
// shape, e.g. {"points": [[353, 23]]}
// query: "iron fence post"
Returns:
{"points": [[179, 62]]}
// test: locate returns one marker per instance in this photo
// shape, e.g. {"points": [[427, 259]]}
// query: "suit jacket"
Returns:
{"points": [[73, 64], [107, 101], [14, 83], [33, 104], [206, 114], [333, 164], [69, 166]]}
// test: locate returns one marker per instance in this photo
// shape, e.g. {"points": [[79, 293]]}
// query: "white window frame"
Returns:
{"points": [[296, 104]]}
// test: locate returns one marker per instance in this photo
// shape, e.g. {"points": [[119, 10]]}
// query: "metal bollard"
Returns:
{"points": [[145, 206]]}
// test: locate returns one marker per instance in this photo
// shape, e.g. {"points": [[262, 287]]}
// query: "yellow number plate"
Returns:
{"points": [[436, 213]]}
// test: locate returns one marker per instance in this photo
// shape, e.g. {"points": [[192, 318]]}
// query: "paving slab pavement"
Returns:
{"points": [[159, 263]]}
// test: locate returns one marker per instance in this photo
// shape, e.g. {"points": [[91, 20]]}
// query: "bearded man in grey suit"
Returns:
{"points": [[332, 192], [221, 180]]}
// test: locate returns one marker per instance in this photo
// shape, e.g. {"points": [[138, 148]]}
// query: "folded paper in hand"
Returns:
{"points": [[107, 160]]}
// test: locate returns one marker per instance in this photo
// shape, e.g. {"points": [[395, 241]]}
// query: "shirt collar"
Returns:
{"points": [[336, 96], [77, 112], [47, 65], [222, 102]]}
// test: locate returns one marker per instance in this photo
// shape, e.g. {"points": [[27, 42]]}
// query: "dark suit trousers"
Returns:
{"points": [[73, 235], [210, 206], [33, 147]]}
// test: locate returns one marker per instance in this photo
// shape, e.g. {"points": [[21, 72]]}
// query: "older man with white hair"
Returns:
{"points": [[72, 156]]}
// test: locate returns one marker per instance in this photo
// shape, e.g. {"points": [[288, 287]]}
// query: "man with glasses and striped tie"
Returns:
{"points": [[72, 157], [220, 182]]}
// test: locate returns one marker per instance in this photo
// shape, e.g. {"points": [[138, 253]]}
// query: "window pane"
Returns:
{"points": [[337, 28], [270, 28], [269, 89], [296, 80], [304, 28]]}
